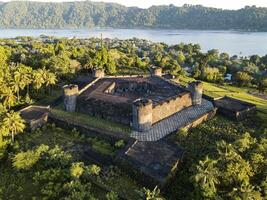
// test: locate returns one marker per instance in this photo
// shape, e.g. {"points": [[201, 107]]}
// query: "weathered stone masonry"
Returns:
{"points": [[171, 106], [139, 102], [142, 114], [71, 93]]}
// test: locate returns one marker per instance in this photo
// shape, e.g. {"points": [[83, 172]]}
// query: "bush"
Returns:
{"points": [[77, 169], [119, 144], [112, 196], [93, 170], [25, 160]]}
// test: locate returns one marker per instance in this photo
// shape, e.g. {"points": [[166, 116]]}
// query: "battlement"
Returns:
{"points": [[70, 90], [143, 102]]}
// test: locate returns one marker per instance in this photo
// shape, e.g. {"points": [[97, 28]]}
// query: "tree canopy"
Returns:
{"points": [[87, 14]]}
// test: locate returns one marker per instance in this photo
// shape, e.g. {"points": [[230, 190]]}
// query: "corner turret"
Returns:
{"points": [[196, 89], [98, 73], [155, 71], [71, 93], [142, 114]]}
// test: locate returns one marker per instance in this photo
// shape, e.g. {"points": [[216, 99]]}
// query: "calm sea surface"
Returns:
{"points": [[232, 42]]}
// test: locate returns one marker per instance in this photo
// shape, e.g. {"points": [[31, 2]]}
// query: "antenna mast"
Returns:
{"points": [[101, 40]]}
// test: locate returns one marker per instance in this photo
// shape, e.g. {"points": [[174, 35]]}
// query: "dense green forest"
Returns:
{"points": [[89, 14], [49, 163]]}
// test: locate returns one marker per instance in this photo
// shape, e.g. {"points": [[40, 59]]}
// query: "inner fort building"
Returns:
{"points": [[138, 101]]}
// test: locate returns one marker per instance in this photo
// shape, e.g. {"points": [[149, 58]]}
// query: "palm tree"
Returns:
{"points": [[2, 114], [38, 78], [206, 176], [8, 97], [15, 84], [148, 194], [51, 79], [26, 77], [226, 150], [13, 123]]}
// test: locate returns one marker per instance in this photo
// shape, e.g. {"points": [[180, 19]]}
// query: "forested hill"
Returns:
{"points": [[90, 14]]}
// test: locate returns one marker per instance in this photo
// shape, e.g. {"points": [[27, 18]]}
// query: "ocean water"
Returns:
{"points": [[232, 42]]}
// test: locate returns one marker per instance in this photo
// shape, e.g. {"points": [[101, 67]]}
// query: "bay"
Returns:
{"points": [[232, 42]]}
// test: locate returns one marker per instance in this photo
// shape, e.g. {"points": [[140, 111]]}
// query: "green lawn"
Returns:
{"points": [[102, 146], [216, 90], [91, 121]]}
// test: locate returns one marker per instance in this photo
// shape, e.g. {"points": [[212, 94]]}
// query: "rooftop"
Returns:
{"points": [[128, 89], [232, 104], [156, 159], [33, 112]]}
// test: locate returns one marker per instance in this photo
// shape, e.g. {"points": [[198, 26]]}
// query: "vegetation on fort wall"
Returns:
{"points": [[90, 121], [87, 14]]}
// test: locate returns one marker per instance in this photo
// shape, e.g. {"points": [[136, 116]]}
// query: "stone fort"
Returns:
{"points": [[152, 105]]}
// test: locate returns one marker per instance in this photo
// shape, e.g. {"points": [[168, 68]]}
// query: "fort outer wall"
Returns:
{"points": [[203, 118], [120, 113], [171, 106]]}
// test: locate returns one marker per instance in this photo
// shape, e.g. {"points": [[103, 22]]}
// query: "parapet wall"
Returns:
{"points": [[120, 113], [171, 106]]}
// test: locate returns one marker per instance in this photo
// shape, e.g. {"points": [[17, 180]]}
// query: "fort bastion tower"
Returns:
{"points": [[156, 71], [98, 73], [142, 114], [196, 89], [71, 93]]}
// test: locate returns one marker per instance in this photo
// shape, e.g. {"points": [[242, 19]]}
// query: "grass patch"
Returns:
{"points": [[102, 146], [217, 90], [90, 121], [48, 99], [51, 135]]}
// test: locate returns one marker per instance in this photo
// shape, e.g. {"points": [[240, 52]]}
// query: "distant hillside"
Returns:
{"points": [[90, 14]]}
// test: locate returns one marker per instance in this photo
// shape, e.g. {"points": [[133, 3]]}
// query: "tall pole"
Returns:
{"points": [[101, 40]]}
